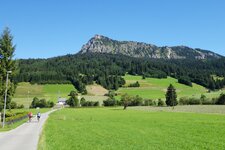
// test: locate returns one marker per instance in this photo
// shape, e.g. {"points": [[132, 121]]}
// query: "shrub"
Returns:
{"points": [[82, 101], [50, 104], [110, 102], [10, 116], [136, 101], [194, 101], [214, 100], [136, 84], [161, 102], [41, 103], [221, 100], [13, 105], [16, 117], [183, 101], [20, 106], [96, 103], [207, 102], [89, 103], [148, 102]]}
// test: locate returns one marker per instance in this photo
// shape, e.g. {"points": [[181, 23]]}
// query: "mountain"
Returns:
{"points": [[102, 44]]}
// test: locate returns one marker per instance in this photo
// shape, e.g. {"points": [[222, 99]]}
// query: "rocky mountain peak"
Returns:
{"points": [[103, 44]]}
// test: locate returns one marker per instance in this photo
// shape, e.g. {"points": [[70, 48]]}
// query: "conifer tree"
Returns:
{"points": [[7, 63], [171, 96]]}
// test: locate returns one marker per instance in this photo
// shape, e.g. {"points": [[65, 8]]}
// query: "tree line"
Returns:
{"points": [[127, 100]]}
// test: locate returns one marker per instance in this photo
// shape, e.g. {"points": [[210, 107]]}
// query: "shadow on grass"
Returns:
{"points": [[118, 109]]}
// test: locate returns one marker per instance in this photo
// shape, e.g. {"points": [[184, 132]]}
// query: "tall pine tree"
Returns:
{"points": [[171, 96], [7, 63]]}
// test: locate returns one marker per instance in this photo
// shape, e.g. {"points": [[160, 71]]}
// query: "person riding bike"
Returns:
{"points": [[30, 116], [38, 116]]}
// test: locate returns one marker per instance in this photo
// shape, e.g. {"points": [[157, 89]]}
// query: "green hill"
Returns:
{"points": [[155, 88]]}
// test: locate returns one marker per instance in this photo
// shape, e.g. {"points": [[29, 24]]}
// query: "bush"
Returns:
{"points": [[194, 101], [16, 117], [96, 103], [90, 103], [82, 101], [10, 116], [85, 103], [221, 100], [207, 102], [136, 101], [20, 106], [41, 103], [50, 104], [161, 102], [136, 84], [148, 102], [214, 100], [110, 102], [13, 105], [184, 101]]}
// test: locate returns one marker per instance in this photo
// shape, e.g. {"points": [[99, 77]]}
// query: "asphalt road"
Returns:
{"points": [[24, 137]]}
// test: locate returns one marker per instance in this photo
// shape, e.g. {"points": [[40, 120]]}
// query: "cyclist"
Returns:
{"points": [[30, 116], [38, 116]]}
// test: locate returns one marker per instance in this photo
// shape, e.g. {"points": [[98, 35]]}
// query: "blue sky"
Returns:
{"points": [[48, 28]]}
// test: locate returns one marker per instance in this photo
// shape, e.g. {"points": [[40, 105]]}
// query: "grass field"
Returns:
{"points": [[150, 88], [207, 109], [25, 92], [113, 128], [156, 88]]}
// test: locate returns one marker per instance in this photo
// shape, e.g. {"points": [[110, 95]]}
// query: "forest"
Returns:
{"points": [[108, 69]]}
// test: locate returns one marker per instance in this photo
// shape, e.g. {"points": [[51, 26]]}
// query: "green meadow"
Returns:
{"points": [[25, 92], [114, 128], [151, 88], [156, 88]]}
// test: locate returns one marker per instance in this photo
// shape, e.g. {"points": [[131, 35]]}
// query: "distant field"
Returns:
{"points": [[209, 109], [114, 128], [156, 88], [25, 92], [150, 88]]}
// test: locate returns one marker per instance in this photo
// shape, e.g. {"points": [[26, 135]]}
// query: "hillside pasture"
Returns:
{"points": [[25, 92], [95, 93], [153, 88]]}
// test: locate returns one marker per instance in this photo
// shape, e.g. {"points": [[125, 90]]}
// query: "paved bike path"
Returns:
{"points": [[24, 137]]}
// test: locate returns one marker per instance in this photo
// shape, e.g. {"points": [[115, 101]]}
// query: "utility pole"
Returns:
{"points": [[7, 76]]}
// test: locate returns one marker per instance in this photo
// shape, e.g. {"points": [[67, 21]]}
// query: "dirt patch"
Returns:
{"points": [[96, 90]]}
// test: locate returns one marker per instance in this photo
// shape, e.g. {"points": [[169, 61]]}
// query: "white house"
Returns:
{"points": [[61, 101]]}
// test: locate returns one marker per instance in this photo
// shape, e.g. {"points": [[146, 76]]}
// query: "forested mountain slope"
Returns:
{"points": [[107, 69]]}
